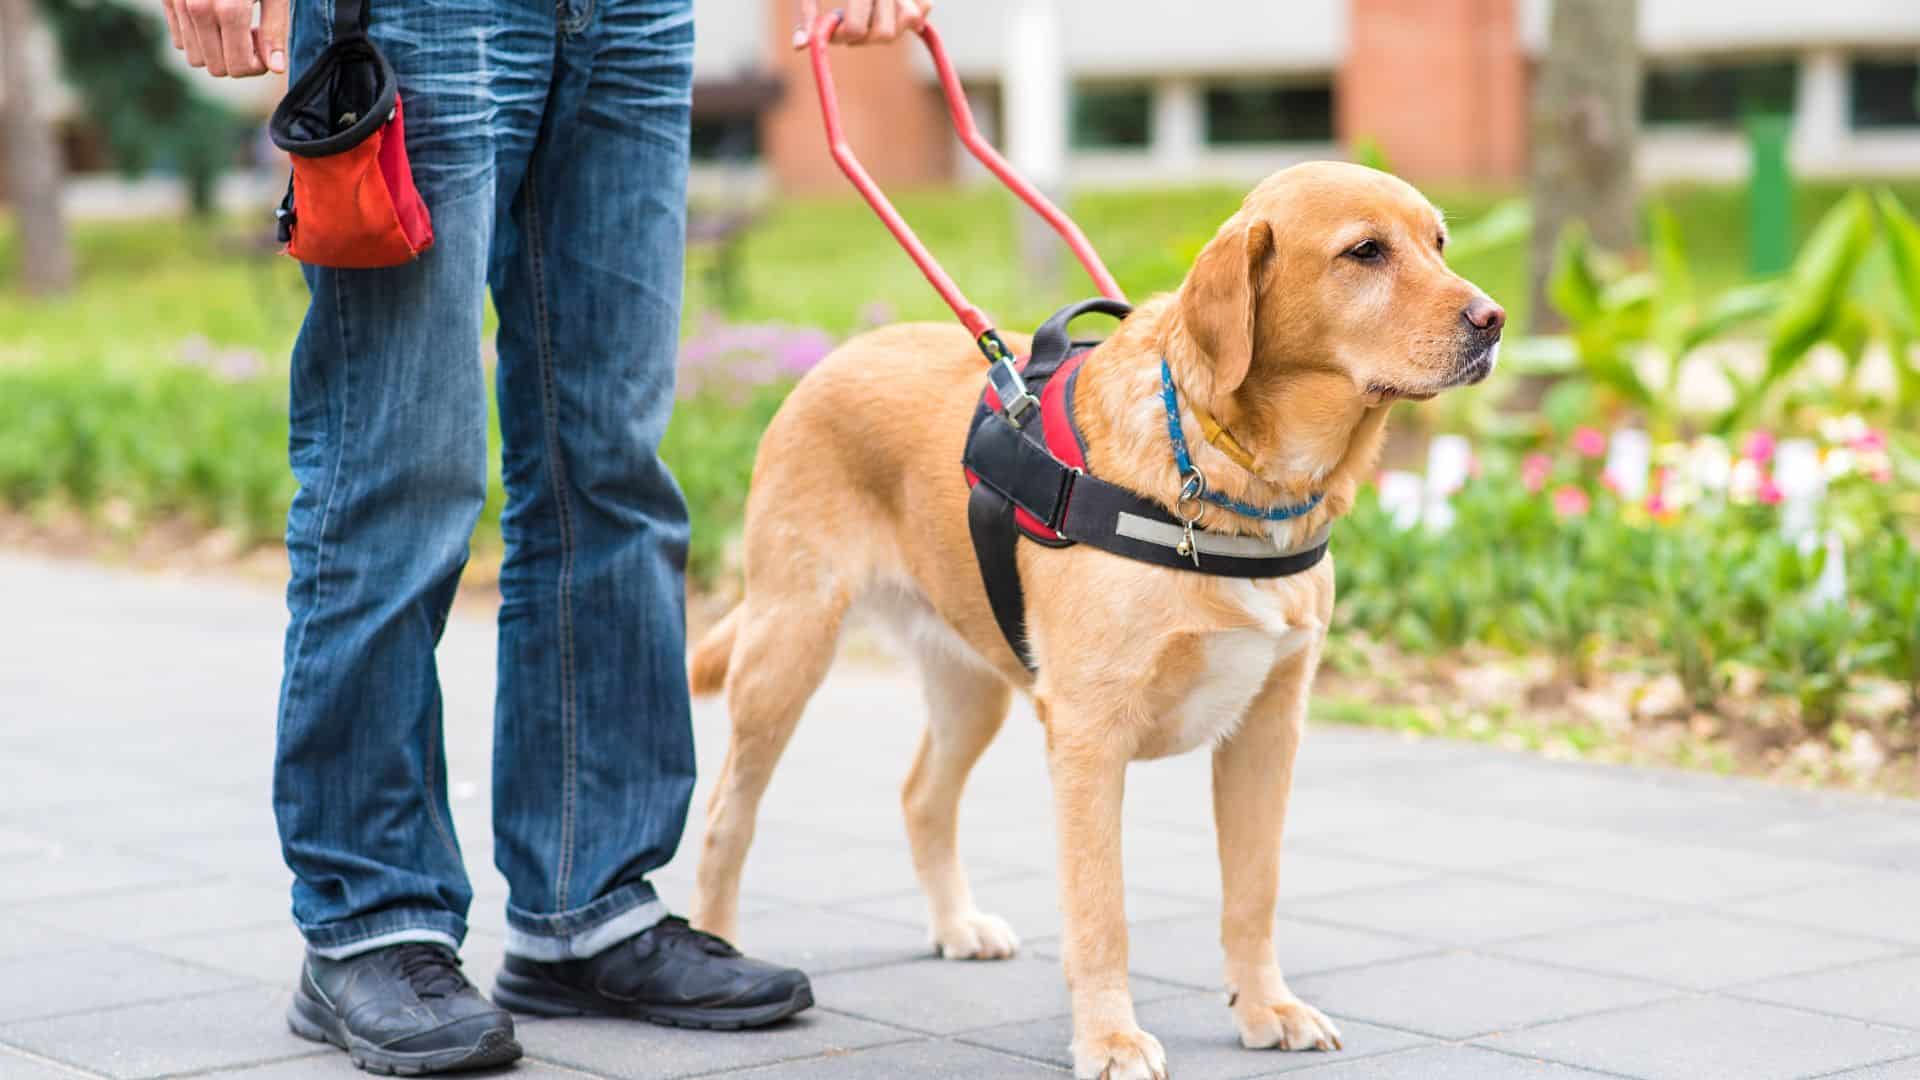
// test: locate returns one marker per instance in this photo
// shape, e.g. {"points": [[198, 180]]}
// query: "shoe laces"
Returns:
{"points": [[673, 926], [430, 970]]}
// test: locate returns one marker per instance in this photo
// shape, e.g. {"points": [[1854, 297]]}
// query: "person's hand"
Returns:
{"points": [[867, 22], [219, 35]]}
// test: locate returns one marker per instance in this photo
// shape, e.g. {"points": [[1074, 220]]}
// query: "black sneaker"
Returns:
{"points": [[669, 974], [404, 1009]]}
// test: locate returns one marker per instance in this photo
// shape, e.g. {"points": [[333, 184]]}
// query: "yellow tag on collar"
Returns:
{"points": [[1220, 437]]}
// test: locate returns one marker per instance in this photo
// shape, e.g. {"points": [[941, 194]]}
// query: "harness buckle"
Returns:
{"points": [[1016, 401]]}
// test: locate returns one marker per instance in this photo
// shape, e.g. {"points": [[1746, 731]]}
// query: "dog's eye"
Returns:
{"points": [[1367, 251], [1440, 242]]}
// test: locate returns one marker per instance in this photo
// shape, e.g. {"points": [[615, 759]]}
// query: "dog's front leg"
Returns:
{"points": [[1089, 775], [1252, 777]]}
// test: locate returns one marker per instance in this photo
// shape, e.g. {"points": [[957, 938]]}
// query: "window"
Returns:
{"points": [[1109, 117], [1886, 93], [1716, 94], [1269, 113]]}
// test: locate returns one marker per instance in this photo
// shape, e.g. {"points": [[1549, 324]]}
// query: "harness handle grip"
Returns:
{"points": [[975, 321]]}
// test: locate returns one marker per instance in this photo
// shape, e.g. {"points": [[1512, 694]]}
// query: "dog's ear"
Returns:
{"points": [[1220, 301]]}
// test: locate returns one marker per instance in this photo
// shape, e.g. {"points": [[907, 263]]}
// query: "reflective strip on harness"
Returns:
{"points": [[1212, 543]]}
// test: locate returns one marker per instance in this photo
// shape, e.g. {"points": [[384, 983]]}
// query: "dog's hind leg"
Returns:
{"points": [[966, 705], [780, 655]]}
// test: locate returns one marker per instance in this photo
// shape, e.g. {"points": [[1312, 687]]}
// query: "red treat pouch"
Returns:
{"points": [[351, 203]]}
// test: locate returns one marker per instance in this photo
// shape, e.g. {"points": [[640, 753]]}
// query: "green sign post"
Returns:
{"points": [[1769, 195]]}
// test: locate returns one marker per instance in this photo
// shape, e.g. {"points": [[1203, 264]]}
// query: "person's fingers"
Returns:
{"points": [[886, 21], [173, 24], [809, 14], [236, 38], [202, 24], [856, 22], [189, 35], [913, 16], [270, 39]]}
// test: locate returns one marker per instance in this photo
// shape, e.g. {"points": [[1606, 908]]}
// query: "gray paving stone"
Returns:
{"points": [[634, 1051], [203, 1032], [167, 911], [18, 1065], [1464, 842], [69, 871], [818, 941], [1902, 1069], [1460, 910], [269, 954], [1448, 1063], [1886, 991], [1031, 903], [1459, 995], [942, 997], [1681, 873], [17, 842], [21, 937], [1200, 1039], [96, 978], [1711, 1038], [1874, 905], [1187, 950], [1307, 875], [1396, 851], [333, 1065], [833, 871], [1701, 952], [925, 1060]]}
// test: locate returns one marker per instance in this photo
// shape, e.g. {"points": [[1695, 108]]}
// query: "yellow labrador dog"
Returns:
{"points": [[1321, 302]]}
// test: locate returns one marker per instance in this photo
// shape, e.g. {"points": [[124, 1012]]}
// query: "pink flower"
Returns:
{"points": [[1874, 439], [1570, 501], [1589, 442], [1657, 496], [1758, 447], [1535, 470], [1769, 492]]}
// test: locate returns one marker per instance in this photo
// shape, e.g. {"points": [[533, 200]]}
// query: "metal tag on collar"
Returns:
{"points": [[1016, 401], [1191, 491]]}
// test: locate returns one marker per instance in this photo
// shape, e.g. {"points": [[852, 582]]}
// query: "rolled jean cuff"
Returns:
{"points": [[338, 941], [584, 931]]}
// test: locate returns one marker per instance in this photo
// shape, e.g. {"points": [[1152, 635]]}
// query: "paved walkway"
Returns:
{"points": [[1463, 912]]}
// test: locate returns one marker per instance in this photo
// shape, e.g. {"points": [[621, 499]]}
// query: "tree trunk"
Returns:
{"points": [[32, 157], [1586, 109]]}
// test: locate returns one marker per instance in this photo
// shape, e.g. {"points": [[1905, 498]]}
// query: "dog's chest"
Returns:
{"points": [[1234, 666]]}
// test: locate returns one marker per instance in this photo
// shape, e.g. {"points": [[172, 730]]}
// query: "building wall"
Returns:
{"points": [[892, 116], [1440, 85]]}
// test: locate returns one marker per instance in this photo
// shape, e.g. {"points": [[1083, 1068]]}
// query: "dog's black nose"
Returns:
{"points": [[1484, 315]]}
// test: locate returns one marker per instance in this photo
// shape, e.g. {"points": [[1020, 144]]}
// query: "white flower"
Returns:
{"points": [[1710, 464], [1838, 462], [1843, 429], [1743, 483]]}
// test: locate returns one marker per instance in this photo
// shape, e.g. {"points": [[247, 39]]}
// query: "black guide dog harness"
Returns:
{"points": [[1029, 478]]}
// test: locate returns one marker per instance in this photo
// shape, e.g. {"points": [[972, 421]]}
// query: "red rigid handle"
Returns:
{"points": [[975, 321]]}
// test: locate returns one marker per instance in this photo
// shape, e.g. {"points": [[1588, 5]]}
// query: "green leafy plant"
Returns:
{"points": [[1616, 314]]}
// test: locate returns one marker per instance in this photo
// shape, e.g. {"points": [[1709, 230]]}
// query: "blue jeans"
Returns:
{"points": [[550, 146]]}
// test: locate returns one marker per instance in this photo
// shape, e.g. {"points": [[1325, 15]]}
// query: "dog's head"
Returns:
{"points": [[1334, 271]]}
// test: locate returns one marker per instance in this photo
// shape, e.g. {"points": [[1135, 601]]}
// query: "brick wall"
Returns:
{"points": [[893, 116], [1441, 85]]}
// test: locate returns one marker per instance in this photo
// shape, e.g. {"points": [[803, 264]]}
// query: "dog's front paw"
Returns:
{"points": [[976, 936], [1289, 1024], [1121, 1055]]}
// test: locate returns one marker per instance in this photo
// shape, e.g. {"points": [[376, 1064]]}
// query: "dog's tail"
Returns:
{"points": [[708, 671]]}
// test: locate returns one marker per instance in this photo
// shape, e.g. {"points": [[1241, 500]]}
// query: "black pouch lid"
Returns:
{"points": [[346, 96]]}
